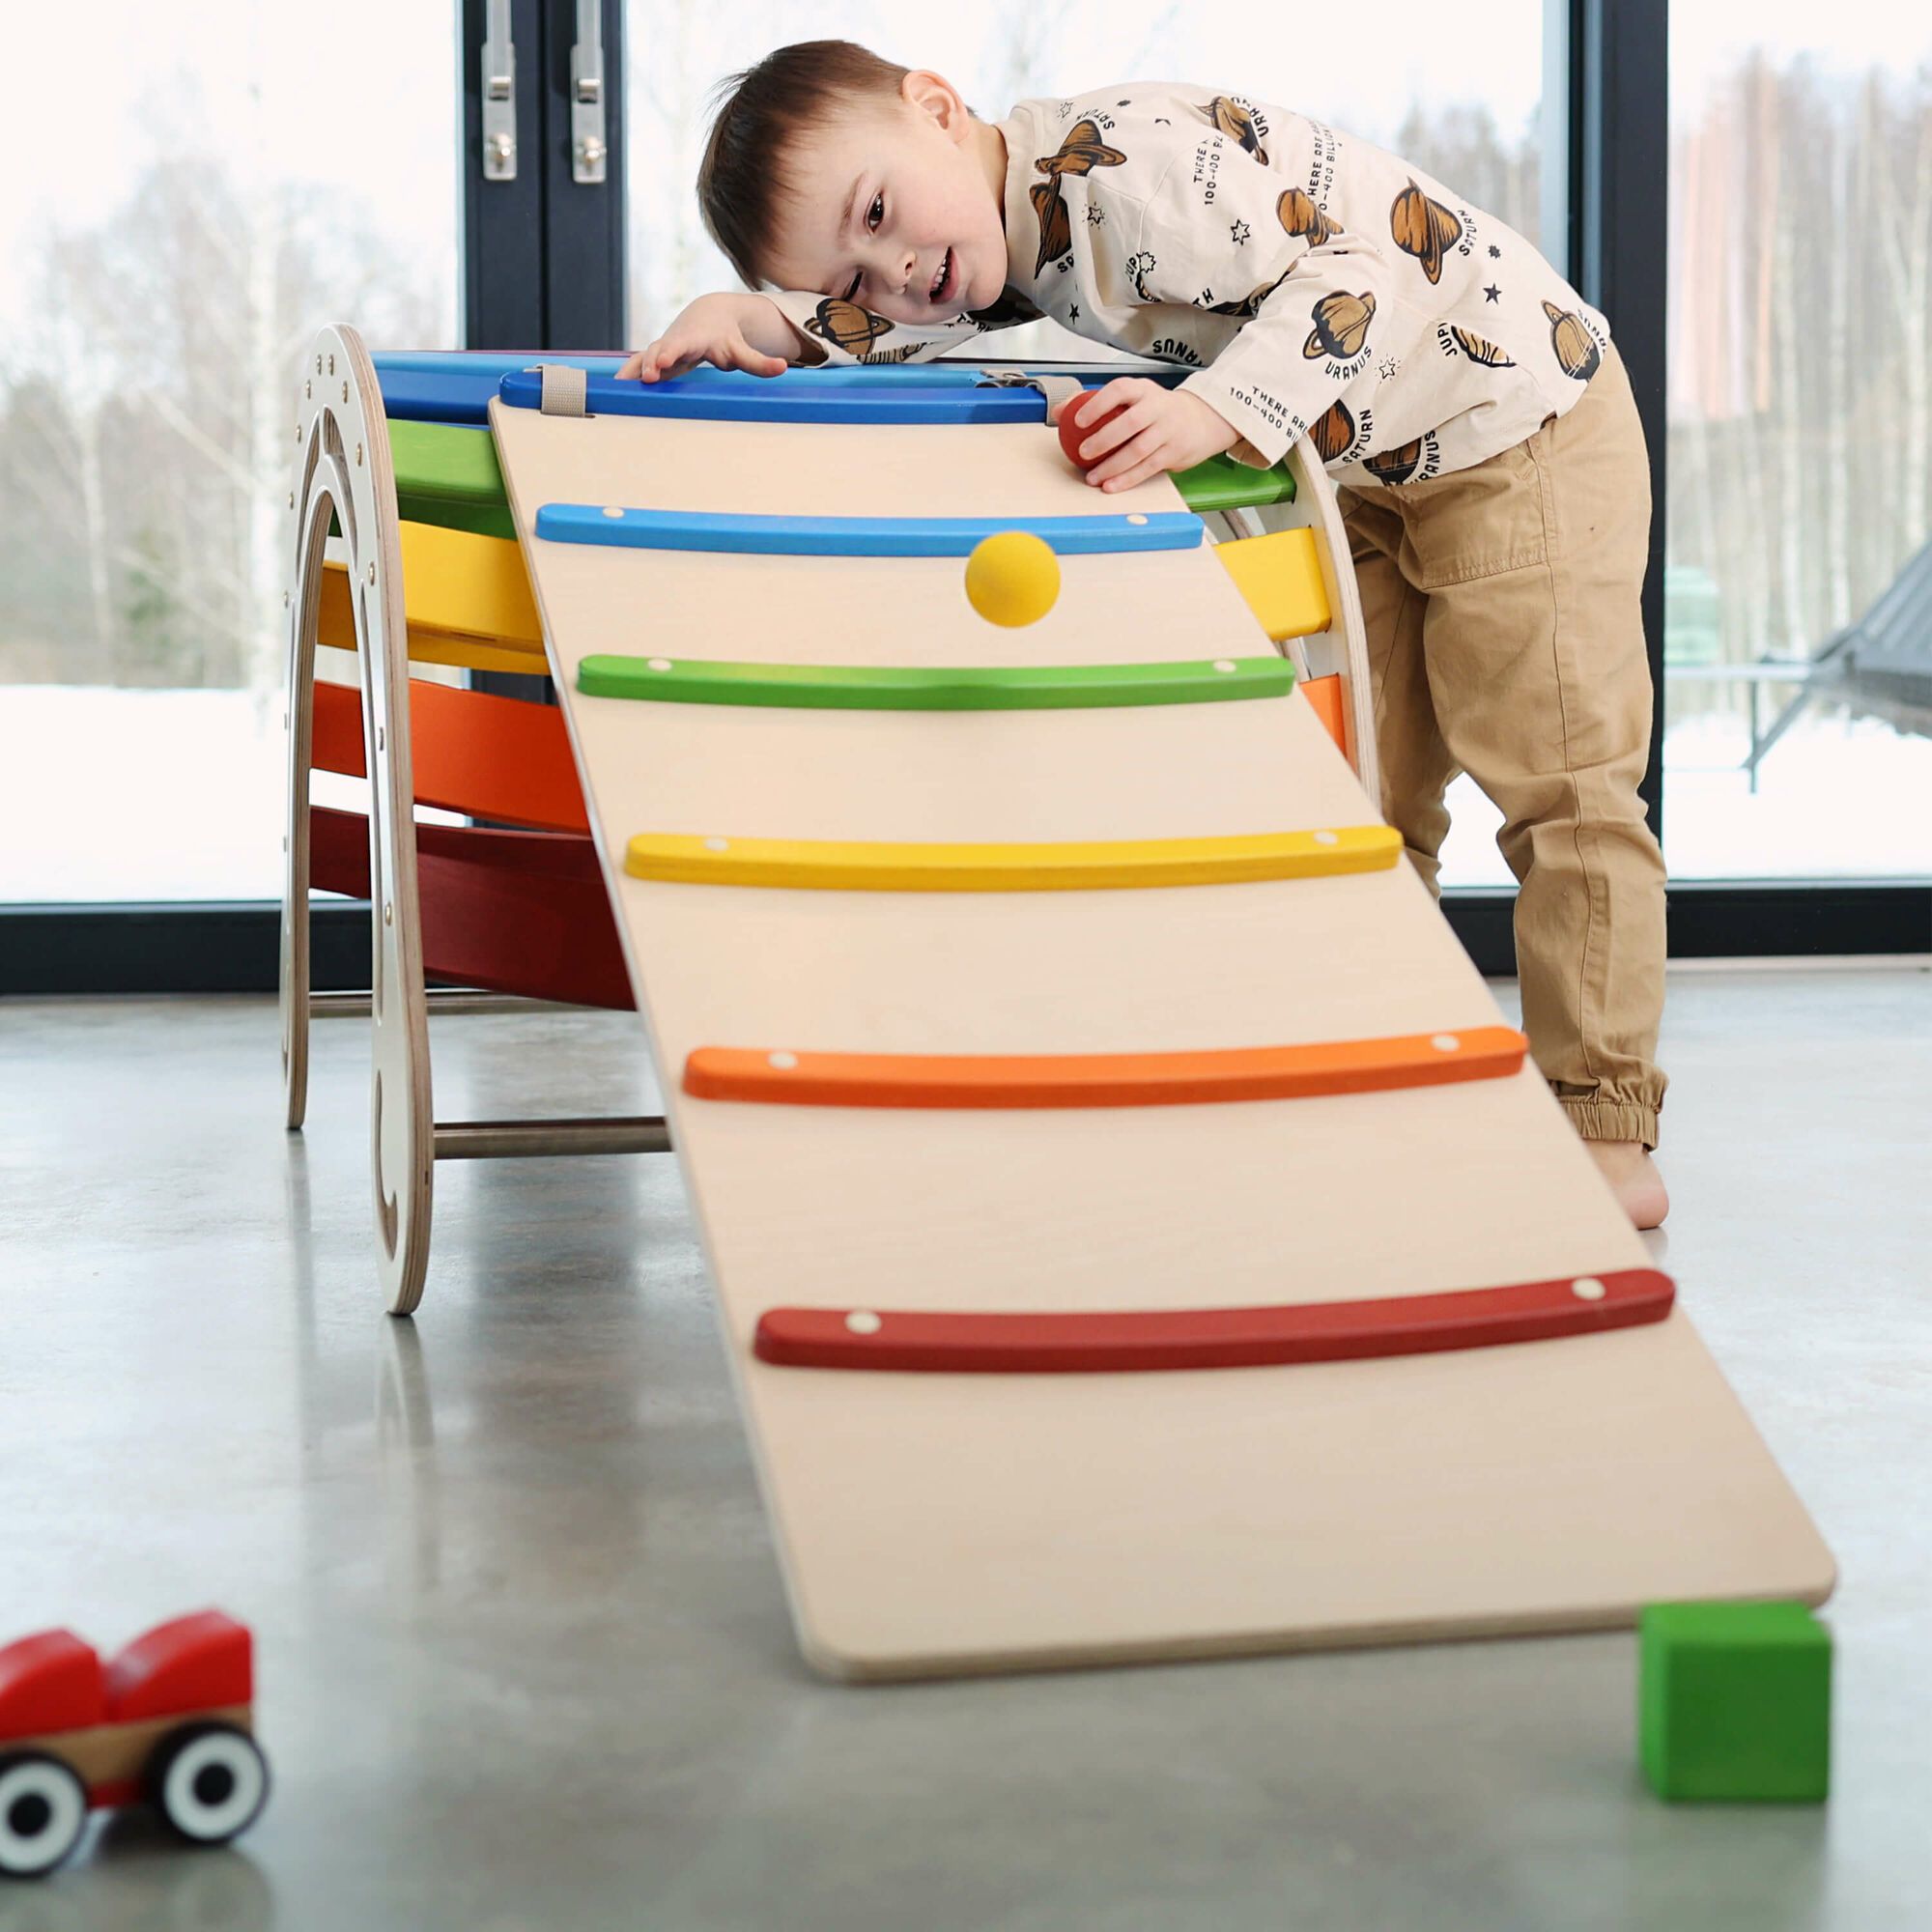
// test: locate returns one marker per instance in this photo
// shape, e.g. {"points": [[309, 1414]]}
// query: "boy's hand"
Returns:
{"points": [[1159, 429], [733, 331]]}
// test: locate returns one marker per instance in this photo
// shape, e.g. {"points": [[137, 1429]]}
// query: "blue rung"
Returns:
{"points": [[926, 395], [629, 529]]}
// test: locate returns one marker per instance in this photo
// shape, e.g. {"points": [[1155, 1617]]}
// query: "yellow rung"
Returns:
{"points": [[1094, 864], [1280, 575], [465, 596], [335, 624]]}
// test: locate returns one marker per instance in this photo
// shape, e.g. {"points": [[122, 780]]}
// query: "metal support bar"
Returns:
{"points": [[442, 1000], [498, 1140]]}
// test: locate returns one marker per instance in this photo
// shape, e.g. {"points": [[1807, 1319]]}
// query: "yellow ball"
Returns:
{"points": [[1013, 578]]}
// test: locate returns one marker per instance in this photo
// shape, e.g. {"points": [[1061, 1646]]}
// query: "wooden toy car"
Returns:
{"points": [[168, 1722]]}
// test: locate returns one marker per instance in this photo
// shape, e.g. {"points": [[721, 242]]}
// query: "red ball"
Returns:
{"points": [[1075, 429]]}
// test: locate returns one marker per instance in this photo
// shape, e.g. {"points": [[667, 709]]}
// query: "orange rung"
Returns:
{"points": [[1102, 1079], [469, 751], [1325, 694]]}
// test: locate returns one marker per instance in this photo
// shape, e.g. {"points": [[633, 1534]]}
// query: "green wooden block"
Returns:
{"points": [[1223, 484], [1734, 1701], [448, 475]]}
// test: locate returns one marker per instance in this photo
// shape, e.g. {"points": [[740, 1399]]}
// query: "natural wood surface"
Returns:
{"points": [[941, 1522], [344, 476]]}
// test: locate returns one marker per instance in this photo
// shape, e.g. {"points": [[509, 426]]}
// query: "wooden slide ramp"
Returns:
{"points": [[1028, 1202]]}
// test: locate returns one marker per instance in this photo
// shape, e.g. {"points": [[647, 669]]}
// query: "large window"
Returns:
{"points": [[189, 191], [1799, 588], [210, 181]]}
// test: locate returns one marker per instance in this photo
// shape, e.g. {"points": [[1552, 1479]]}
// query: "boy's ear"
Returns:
{"points": [[932, 93]]}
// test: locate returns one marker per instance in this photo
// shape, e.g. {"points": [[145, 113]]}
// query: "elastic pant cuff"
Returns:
{"points": [[1611, 1121]]}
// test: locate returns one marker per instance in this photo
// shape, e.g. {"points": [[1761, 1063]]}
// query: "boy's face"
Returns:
{"points": [[898, 208]]}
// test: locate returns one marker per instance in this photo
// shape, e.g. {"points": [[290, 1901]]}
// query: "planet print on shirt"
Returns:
{"points": [[1423, 228], [1395, 466], [1301, 217], [1082, 151], [1479, 349], [1239, 123], [1249, 307], [846, 326], [1577, 351], [1341, 327], [1332, 433]]}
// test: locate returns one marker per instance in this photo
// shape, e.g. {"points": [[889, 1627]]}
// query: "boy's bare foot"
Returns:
{"points": [[1633, 1180]]}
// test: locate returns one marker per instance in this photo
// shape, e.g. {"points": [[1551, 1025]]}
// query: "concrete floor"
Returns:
{"points": [[524, 1662]]}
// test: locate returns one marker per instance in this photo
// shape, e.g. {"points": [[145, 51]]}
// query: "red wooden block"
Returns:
{"points": [[49, 1682], [1075, 429], [199, 1662]]}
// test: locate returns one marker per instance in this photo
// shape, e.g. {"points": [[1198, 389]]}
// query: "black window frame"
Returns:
{"points": [[544, 267]]}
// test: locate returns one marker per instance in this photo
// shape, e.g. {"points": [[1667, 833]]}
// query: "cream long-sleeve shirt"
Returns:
{"points": [[1316, 285]]}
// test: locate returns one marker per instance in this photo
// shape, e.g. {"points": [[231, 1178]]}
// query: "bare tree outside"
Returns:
{"points": [[1801, 374], [144, 404]]}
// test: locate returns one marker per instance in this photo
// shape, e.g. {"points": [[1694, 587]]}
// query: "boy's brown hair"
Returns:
{"points": [[743, 179]]}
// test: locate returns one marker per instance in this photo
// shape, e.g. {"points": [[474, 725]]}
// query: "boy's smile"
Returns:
{"points": [[898, 210]]}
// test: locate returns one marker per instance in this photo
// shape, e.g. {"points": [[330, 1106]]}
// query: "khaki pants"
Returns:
{"points": [[1506, 640]]}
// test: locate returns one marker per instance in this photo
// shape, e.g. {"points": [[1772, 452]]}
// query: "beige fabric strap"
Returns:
{"points": [[563, 389], [1055, 388]]}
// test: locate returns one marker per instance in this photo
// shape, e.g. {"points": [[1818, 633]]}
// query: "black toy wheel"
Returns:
{"points": [[43, 1808], [209, 1781]]}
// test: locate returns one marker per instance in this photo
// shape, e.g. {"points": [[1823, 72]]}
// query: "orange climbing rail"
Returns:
{"points": [[496, 757], [784, 1078]]}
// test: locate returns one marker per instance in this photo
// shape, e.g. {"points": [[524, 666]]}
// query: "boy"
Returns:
{"points": [[1478, 424]]}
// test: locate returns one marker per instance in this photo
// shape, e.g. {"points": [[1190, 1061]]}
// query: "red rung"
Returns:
{"points": [[513, 911], [1210, 1337]]}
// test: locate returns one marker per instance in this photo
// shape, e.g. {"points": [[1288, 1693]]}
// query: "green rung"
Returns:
{"points": [[448, 475], [940, 688], [1223, 484]]}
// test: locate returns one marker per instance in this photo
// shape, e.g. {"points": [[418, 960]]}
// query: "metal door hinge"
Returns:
{"points": [[587, 150], [500, 94]]}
